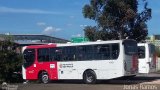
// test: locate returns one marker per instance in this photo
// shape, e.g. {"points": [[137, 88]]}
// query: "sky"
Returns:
{"points": [[58, 18]]}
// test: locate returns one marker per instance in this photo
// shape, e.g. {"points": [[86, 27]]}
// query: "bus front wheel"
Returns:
{"points": [[44, 78], [89, 77]]}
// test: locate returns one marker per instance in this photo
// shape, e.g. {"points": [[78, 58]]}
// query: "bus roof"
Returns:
{"points": [[74, 44], [90, 43], [42, 46]]}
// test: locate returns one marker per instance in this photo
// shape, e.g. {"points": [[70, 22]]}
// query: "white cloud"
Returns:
{"points": [[82, 26], [50, 30], [72, 17], [41, 24], [27, 11], [69, 24]]}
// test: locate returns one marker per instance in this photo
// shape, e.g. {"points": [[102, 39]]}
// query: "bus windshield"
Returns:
{"points": [[130, 47], [29, 57]]}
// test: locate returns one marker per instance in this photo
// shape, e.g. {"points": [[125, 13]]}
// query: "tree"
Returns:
{"points": [[117, 19], [10, 61], [90, 32]]}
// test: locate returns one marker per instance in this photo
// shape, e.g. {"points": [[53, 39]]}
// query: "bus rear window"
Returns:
{"points": [[130, 47], [141, 52], [151, 50]]}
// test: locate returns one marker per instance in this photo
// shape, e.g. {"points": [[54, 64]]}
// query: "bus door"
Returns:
{"points": [[29, 66]]}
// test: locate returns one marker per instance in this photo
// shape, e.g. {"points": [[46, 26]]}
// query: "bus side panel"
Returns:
{"points": [[143, 66], [148, 63], [50, 68], [109, 69], [31, 72], [34, 71], [143, 61], [152, 58], [74, 69], [147, 59]]}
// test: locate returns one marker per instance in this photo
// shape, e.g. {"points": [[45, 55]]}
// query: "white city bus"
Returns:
{"points": [[147, 58], [89, 61]]}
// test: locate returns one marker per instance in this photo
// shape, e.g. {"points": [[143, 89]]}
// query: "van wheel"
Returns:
{"points": [[44, 78], [89, 77]]}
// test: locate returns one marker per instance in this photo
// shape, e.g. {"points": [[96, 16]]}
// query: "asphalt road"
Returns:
{"points": [[140, 82]]}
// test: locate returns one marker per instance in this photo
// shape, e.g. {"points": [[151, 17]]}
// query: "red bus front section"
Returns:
{"points": [[50, 68], [34, 71], [36, 68]]}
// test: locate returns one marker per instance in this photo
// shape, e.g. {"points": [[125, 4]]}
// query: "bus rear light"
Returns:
{"points": [[134, 63], [155, 59]]}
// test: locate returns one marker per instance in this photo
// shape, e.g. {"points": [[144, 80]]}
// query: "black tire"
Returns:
{"points": [[44, 78], [89, 77]]}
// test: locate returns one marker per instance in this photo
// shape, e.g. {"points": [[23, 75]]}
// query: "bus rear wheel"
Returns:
{"points": [[89, 77], [44, 78]]}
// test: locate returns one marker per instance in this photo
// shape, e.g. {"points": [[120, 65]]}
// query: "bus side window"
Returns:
{"points": [[69, 53], [80, 53], [89, 53], [58, 54], [115, 51], [103, 52], [52, 54], [43, 55]]}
